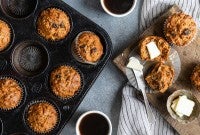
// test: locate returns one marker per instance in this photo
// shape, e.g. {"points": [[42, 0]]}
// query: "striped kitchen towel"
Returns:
{"points": [[133, 117]]}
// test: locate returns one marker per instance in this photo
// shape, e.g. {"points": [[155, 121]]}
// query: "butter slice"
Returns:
{"points": [[173, 106], [134, 64], [153, 50]]}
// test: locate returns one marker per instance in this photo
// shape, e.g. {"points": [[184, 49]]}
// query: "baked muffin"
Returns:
{"points": [[180, 29], [10, 94], [5, 35], [53, 24], [160, 78], [65, 81], [88, 47], [195, 77], [42, 117], [161, 44]]}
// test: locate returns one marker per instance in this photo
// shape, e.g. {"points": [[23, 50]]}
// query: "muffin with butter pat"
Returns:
{"points": [[154, 48]]}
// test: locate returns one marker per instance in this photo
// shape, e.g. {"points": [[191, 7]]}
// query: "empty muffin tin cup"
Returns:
{"points": [[30, 58], [184, 119]]}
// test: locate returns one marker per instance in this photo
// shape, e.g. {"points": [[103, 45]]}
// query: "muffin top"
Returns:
{"points": [[53, 24], [195, 77], [180, 29], [89, 47], [161, 44], [161, 77], [5, 35], [65, 81], [42, 117], [10, 94]]}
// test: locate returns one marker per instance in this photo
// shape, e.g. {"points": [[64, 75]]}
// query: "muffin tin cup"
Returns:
{"points": [[76, 93], [41, 100], [22, 93]]}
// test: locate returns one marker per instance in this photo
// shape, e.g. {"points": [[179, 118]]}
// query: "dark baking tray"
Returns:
{"points": [[36, 85]]}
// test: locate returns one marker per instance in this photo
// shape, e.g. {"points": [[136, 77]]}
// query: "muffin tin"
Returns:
{"points": [[30, 60]]}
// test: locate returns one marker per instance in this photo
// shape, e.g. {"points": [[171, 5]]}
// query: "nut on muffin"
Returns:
{"points": [[65, 81], [10, 93], [161, 44], [88, 47], [180, 29], [42, 117], [5, 35], [195, 77], [160, 78], [53, 24]]}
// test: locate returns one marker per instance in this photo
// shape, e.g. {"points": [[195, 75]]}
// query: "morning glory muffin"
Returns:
{"points": [[195, 77], [42, 117], [180, 29], [53, 24], [65, 81], [160, 77], [5, 35], [10, 94]]}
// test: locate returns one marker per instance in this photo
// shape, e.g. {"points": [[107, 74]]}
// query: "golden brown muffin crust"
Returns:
{"points": [[195, 77], [42, 117], [65, 81], [53, 24], [162, 45], [180, 29], [161, 77], [10, 93], [5, 35], [89, 47]]}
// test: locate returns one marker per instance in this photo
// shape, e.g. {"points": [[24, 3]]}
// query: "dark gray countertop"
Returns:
{"points": [[105, 94]]}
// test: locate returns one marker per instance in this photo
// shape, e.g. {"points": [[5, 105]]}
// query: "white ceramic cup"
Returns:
{"points": [[117, 15], [91, 112]]}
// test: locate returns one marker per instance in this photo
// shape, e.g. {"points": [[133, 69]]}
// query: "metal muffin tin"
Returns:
{"points": [[22, 16]]}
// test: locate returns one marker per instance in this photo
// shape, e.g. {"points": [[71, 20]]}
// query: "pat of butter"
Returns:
{"points": [[134, 64], [153, 50]]}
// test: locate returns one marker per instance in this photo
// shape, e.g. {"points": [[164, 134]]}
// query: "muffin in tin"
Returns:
{"points": [[161, 44], [195, 77], [5, 35], [87, 47], [65, 81], [10, 94], [160, 77], [180, 29], [53, 24], [42, 117]]}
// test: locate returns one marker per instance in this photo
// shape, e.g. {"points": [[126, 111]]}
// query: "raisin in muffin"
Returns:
{"points": [[42, 117], [160, 78], [65, 81], [53, 24], [195, 77], [88, 47], [161, 44], [5, 35], [180, 29]]}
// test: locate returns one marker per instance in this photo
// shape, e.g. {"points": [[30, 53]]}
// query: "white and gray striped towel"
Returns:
{"points": [[133, 117]]}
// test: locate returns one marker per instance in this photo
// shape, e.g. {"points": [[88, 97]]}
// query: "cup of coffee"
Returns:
{"points": [[93, 123], [118, 8]]}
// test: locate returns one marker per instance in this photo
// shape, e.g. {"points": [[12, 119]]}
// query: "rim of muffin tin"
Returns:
{"points": [[41, 100], [6, 11], [24, 93], [77, 93], [66, 11]]}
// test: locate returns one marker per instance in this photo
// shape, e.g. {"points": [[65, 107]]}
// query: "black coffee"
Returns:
{"points": [[94, 124], [118, 6]]}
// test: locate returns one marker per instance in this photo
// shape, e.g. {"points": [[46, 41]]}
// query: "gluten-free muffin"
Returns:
{"points": [[88, 47], [161, 44], [10, 93], [65, 81], [42, 117], [195, 77], [5, 35], [180, 29], [160, 78], [53, 24]]}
